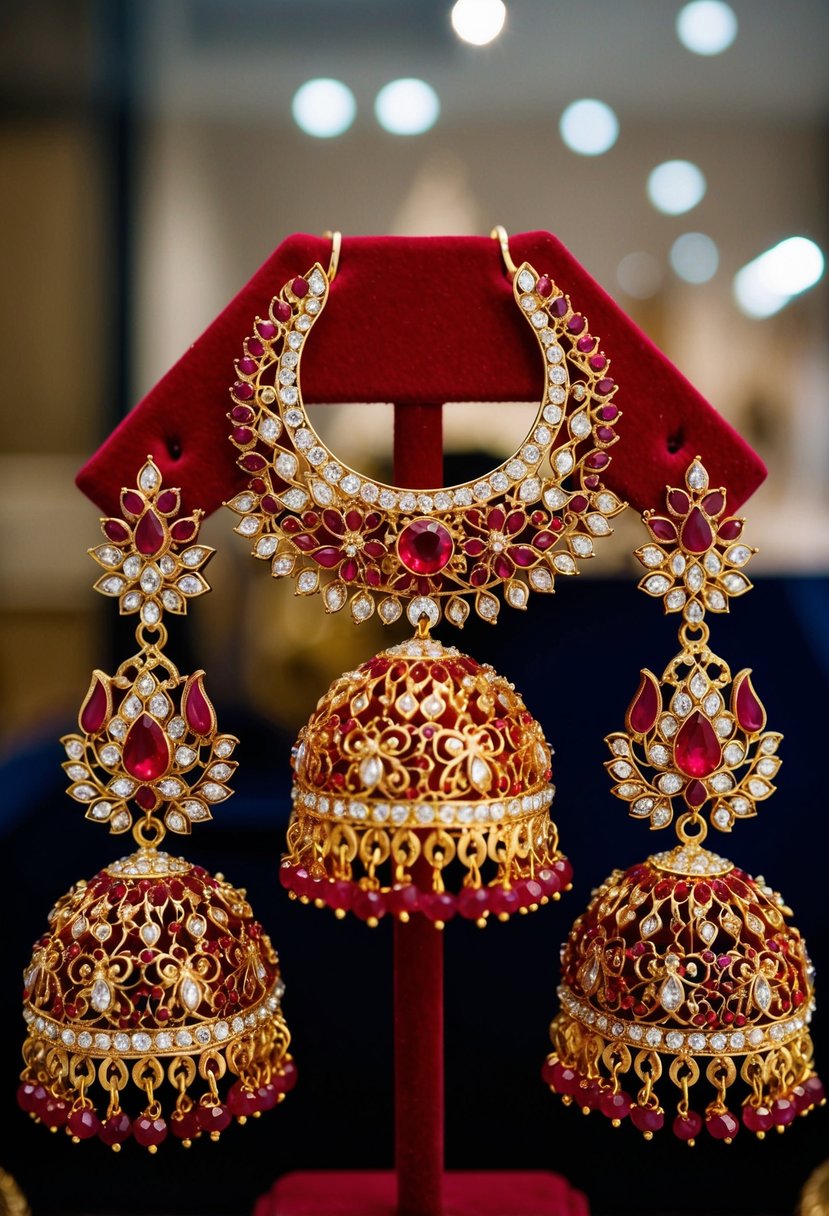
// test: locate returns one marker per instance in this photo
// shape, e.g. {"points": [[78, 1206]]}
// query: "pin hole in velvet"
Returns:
{"points": [[675, 441], [174, 448]]}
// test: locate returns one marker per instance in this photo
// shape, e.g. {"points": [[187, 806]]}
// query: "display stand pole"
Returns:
{"points": [[418, 946]]}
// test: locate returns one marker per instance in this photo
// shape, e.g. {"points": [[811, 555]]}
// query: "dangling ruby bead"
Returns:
{"points": [[94, 709], [425, 546], [185, 1124], [615, 1106], [149, 1132], [146, 752], [473, 902], [697, 751], [83, 1123], [723, 1126], [214, 1119], [746, 705], [115, 1130], [645, 1119], [149, 534], [285, 1080], [196, 707], [757, 1119], [645, 706], [696, 532], [687, 1127]]}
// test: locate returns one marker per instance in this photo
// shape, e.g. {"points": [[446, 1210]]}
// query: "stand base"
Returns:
{"points": [[352, 1193]]}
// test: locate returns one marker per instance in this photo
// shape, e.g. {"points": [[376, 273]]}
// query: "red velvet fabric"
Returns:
{"points": [[506, 1193], [413, 320]]}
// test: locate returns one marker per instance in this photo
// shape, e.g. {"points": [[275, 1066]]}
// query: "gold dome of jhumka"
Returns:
{"points": [[153, 980], [684, 964], [423, 784]]}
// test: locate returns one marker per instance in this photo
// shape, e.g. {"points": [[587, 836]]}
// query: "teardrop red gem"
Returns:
{"points": [[196, 707], [714, 502], [645, 706], [184, 529], [697, 750], [747, 707], [661, 528], [116, 531], [149, 535], [731, 529], [695, 793], [678, 501], [94, 709], [146, 752], [696, 532]]}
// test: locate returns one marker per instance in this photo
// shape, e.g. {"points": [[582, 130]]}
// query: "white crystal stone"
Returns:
{"points": [[563, 462], [721, 818], [213, 792], [762, 993], [696, 1041], [295, 500], [657, 584], [580, 425], [141, 1041], [675, 599], [767, 768], [738, 555], [582, 546], [621, 770], [707, 931], [670, 783], [650, 925], [176, 728], [674, 1040], [698, 685], [183, 1038], [694, 578], [681, 704], [190, 993], [286, 465], [149, 933], [557, 375], [651, 556], [564, 563], [697, 478], [653, 1037], [694, 613], [671, 994], [757, 788], [733, 753], [737, 1041], [541, 579], [526, 280], [723, 727], [658, 755], [661, 816], [718, 1042], [712, 562], [100, 997], [463, 497], [371, 771], [270, 429], [423, 605], [642, 806], [170, 788], [735, 584], [668, 725]]}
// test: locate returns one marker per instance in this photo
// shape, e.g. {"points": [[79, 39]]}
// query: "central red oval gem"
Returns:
{"points": [[697, 751], [425, 546], [146, 750]]}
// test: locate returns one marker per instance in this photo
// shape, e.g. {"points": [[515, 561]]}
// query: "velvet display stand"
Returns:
{"points": [[419, 322]]}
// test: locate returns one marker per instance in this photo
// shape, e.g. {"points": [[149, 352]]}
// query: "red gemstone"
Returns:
{"points": [[645, 706], [146, 750], [688, 1127], [214, 1119], [473, 902], [730, 529], [185, 529], [241, 1101], [267, 330], [149, 534], [504, 901], [281, 311], [54, 1112], [403, 898], [149, 1132], [605, 385], [185, 1124], [339, 895], [783, 1112], [146, 798], [167, 502], [196, 707], [645, 1119], [696, 532], [246, 366], [241, 434], [608, 412], [438, 906], [83, 1123], [605, 433], [697, 751], [115, 1129], [757, 1119], [544, 286], [132, 502], [714, 503], [255, 347], [564, 1080], [597, 460], [723, 1126], [425, 546], [695, 793], [243, 391], [662, 529], [116, 531], [576, 323], [549, 881], [285, 1080], [299, 287], [746, 705], [558, 306], [30, 1095], [266, 1096], [615, 1106], [95, 708], [369, 905], [598, 362], [678, 501]]}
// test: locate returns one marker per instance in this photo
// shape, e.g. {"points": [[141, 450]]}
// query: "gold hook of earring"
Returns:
{"points": [[336, 239], [500, 234]]}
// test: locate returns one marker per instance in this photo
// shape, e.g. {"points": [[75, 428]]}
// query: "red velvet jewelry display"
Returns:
{"points": [[413, 321], [419, 322]]}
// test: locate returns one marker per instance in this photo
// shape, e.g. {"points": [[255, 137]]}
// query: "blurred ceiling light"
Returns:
{"points": [[768, 283], [478, 21], [706, 27], [676, 186], [323, 107], [589, 127], [639, 275], [407, 107], [695, 257]]}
